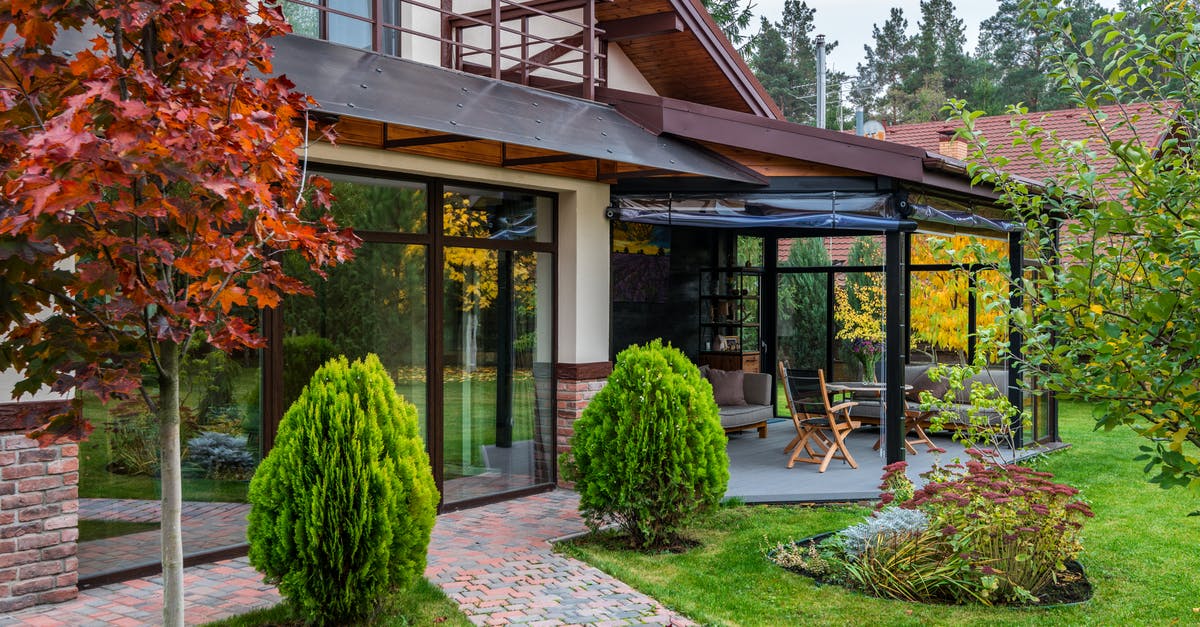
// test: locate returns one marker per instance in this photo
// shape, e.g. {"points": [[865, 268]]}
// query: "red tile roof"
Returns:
{"points": [[1069, 124]]}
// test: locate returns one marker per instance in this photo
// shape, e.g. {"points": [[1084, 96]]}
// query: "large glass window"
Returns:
{"points": [[374, 304], [496, 371]]}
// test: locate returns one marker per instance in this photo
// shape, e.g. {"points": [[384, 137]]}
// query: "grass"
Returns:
{"points": [[424, 604], [100, 529], [1139, 555]]}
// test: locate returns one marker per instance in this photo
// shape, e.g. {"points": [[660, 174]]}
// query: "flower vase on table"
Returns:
{"points": [[867, 353]]}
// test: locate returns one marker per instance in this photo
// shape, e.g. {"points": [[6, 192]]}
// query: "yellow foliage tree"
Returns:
{"points": [[939, 313]]}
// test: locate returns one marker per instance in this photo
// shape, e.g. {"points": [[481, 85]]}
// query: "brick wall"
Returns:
{"points": [[577, 385], [39, 504]]}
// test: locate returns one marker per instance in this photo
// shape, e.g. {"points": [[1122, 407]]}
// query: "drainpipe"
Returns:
{"points": [[820, 81]]}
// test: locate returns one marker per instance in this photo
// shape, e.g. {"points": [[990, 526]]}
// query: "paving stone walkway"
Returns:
{"points": [[495, 561]]}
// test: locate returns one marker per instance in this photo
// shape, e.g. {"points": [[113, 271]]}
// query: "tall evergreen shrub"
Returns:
{"points": [[343, 506], [648, 452]]}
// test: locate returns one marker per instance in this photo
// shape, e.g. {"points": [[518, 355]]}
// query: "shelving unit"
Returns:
{"points": [[730, 316]]}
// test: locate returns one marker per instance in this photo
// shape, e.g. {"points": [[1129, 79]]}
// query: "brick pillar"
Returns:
{"points": [[577, 385], [39, 505]]}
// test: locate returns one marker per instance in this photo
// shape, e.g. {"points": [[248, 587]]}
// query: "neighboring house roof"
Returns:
{"points": [[1148, 125], [692, 61]]}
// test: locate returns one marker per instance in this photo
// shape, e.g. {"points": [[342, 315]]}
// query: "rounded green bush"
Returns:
{"points": [[343, 506], [648, 452]]}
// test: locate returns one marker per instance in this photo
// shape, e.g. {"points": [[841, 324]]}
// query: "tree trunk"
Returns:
{"points": [[168, 434]]}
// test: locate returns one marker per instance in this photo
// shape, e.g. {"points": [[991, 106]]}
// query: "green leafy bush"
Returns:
{"points": [[648, 452], [344, 504]]}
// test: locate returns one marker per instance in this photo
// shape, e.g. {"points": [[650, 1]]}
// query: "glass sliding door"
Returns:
{"points": [[497, 306]]}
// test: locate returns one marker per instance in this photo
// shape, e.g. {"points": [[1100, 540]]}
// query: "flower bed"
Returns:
{"points": [[977, 532]]}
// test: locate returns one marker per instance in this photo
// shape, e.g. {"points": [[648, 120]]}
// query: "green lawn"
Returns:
{"points": [[1140, 555], [423, 605]]}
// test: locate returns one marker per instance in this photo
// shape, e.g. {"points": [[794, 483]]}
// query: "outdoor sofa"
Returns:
{"points": [[743, 398], [916, 375]]}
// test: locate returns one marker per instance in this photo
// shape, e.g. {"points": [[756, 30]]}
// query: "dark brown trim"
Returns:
{"points": [[29, 415], [647, 25], [583, 372], [426, 140], [509, 163], [495, 498]]}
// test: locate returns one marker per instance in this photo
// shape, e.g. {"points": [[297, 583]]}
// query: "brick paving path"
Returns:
{"points": [[495, 561]]}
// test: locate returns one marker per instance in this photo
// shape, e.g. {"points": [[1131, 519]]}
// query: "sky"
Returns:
{"points": [[849, 22]]}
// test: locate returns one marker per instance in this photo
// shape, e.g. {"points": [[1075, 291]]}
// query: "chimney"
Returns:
{"points": [[820, 81], [950, 145]]}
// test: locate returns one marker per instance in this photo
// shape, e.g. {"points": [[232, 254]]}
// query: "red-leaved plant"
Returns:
{"points": [[1013, 528]]}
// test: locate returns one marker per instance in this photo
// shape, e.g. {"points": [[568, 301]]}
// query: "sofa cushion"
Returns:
{"points": [[727, 386], [922, 382], [743, 415]]}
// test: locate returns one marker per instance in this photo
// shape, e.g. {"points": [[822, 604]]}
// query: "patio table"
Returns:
{"points": [[911, 418]]}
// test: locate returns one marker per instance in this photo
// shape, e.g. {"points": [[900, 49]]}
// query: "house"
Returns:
{"points": [[487, 152]]}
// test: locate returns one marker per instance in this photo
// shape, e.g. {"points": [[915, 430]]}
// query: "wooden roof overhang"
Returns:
{"points": [[682, 53], [404, 106]]}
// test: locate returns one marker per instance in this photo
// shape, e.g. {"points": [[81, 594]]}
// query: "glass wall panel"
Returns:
{"points": [[348, 30], [119, 485], [498, 215], [384, 206], [939, 317], [858, 318], [497, 386], [803, 252], [374, 304]]}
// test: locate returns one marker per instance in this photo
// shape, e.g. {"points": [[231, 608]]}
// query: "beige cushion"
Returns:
{"points": [[727, 386]]}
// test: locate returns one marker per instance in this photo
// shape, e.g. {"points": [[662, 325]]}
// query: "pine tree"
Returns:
{"points": [[1017, 55], [881, 77], [733, 17], [938, 48], [778, 75]]}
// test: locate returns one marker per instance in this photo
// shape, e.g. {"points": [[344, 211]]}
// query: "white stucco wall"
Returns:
{"points": [[624, 75], [10, 378], [583, 247]]}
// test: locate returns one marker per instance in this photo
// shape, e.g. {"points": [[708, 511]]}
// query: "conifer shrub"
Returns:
{"points": [[343, 506], [648, 453]]}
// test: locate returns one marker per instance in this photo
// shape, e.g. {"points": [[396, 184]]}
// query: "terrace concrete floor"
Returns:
{"points": [[758, 471]]}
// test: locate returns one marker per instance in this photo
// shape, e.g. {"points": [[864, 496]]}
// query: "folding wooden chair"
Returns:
{"points": [[828, 425], [800, 389]]}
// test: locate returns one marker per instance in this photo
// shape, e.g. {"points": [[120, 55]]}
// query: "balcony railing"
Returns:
{"points": [[552, 44]]}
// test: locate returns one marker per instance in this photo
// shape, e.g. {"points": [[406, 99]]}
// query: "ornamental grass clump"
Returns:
{"points": [[648, 453], [343, 506], [975, 532]]}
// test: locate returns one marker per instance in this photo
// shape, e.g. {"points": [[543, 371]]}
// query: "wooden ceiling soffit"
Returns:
{"points": [[641, 26]]}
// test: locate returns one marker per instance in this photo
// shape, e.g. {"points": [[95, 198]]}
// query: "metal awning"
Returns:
{"points": [[821, 210], [367, 85], [824, 210]]}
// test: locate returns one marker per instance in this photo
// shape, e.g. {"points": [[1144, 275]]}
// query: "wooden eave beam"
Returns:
{"points": [[426, 140], [649, 25], [520, 161]]}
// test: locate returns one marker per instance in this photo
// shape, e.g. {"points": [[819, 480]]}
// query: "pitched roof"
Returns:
{"points": [[1149, 124], [694, 62]]}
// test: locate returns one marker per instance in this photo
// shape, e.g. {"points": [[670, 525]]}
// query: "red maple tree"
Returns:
{"points": [[150, 187]]}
